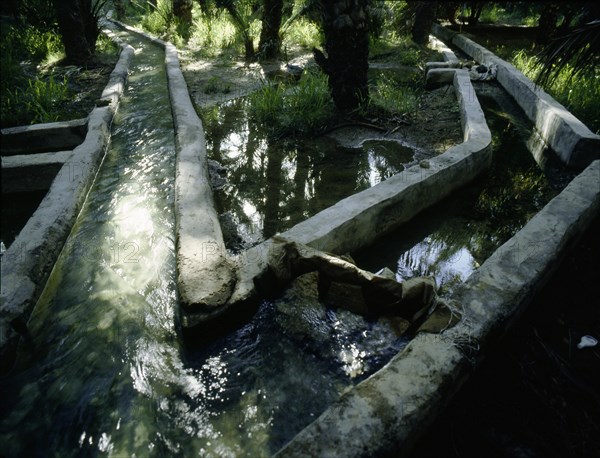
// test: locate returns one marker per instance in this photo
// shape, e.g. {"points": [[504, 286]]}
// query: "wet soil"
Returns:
{"points": [[433, 127]]}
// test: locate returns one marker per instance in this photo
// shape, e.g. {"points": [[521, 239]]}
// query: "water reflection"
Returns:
{"points": [[451, 239], [275, 184], [105, 373]]}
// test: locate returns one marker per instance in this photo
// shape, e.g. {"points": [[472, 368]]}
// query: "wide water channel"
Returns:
{"points": [[105, 372]]}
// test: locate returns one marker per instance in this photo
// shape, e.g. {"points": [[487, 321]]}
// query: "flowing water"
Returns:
{"points": [[105, 372]]}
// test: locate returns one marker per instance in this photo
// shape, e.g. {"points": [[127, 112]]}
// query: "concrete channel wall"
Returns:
{"points": [[387, 413], [29, 260], [574, 143], [358, 220], [205, 273]]}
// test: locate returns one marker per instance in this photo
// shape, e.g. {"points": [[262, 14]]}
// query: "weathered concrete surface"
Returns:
{"points": [[440, 73], [31, 172], [38, 138], [574, 143], [205, 273], [388, 412], [28, 261], [360, 219], [448, 56], [436, 77]]}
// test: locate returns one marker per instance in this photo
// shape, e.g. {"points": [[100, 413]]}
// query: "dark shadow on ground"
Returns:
{"points": [[537, 394]]}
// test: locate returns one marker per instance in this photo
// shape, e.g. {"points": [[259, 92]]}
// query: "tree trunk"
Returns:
{"points": [[78, 28], [182, 10], [476, 10], [345, 25], [269, 35], [547, 23], [242, 26], [424, 17]]}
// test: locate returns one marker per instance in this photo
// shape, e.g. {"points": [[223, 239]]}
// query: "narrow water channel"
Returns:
{"points": [[106, 374]]}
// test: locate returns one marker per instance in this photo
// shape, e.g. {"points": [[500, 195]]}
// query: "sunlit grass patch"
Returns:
{"points": [[580, 94], [394, 96], [302, 33], [287, 109]]}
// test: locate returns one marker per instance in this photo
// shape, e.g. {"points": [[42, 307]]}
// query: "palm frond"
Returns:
{"points": [[580, 48]]}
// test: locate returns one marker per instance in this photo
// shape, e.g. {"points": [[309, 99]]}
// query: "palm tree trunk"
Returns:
{"points": [[424, 17], [547, 23], [345, 25], [269, 36], [182, 10], [72, 24]]}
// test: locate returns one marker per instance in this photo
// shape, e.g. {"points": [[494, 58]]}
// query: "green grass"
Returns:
{"points": [[40, 100], [394, 96], [31, 90], [212, 35], [578, 93], [285, 109], [303, 34]]}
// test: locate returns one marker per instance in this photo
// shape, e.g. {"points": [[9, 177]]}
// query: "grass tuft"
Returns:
{"points": [[283, 109]]}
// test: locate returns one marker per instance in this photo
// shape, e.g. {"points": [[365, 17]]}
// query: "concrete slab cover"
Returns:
{"points": [[575, 144], [37, 138]]}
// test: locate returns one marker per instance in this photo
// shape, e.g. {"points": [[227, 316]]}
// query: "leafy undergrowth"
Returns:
{"points": [[36, 88]]}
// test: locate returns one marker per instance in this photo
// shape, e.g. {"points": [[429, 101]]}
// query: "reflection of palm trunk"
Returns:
{"points": [[272, 192], [300, 180]]}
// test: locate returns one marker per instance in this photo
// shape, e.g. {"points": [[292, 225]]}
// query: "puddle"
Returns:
{"points": [[453, 238], [274, 184]]}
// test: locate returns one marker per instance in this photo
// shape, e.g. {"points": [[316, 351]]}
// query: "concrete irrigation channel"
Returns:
{"points": [[391, 409]]}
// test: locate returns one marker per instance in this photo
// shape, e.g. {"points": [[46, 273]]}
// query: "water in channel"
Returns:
{"points": [[453, 238], [106, 373]]}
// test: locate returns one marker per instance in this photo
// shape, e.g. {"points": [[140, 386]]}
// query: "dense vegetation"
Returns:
{"points": [[38, 85]]}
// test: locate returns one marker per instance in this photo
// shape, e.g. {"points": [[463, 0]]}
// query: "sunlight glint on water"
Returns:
{"points": [[107, 374]]}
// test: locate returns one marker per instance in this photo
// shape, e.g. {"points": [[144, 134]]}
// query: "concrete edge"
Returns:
{"points": [[38, 138], [389, 411], [574, 143], [358, 220], [205, 273], [29, 260]]}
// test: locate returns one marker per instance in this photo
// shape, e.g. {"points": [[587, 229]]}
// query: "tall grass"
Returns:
{"points": [[212, 34], [283, 109], [301, 33], [38, 101], [393, 96], [579, 94]]}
